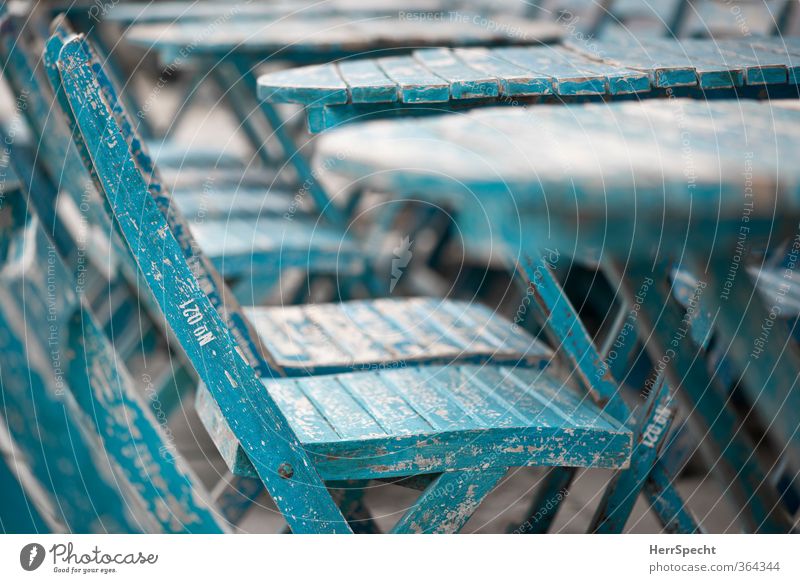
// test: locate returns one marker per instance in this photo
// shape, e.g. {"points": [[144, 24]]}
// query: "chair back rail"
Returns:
{"points": [[284, 467]]}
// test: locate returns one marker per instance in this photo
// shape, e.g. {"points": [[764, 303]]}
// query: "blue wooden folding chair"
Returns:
{"points": [[472, 155], [466, 423], [81, 451]]}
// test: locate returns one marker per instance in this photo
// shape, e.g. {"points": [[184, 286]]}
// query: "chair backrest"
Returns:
{"points": [[54, 341], [187, 288], [210, 280], [56, 153], [58, 464], [66, 201]]}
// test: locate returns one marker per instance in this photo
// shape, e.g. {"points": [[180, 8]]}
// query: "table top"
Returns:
{"points": [[625, 168], [321, 36], [335, 92], [167, 12]]}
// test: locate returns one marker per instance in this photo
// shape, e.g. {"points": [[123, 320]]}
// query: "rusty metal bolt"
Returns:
{"points": [[285, 470]]}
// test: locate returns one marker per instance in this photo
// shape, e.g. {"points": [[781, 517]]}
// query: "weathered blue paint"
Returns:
{"points": [[735, 466], [204, 334], [340, 32], [224, 372], [620, 495], [650, 137], [18, 512], [409, 420], [80, 489], [453, 79], [465, 82]]}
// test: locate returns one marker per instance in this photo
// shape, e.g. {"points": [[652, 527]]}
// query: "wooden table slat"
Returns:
{"points": [[465, 82], [415, 83]]}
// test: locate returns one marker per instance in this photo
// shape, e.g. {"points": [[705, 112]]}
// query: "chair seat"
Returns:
{"points": [[411, 421], [168, 154], [232, 201], [391, 333], [242, 246]]}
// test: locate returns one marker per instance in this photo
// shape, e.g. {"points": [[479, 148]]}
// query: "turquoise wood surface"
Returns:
{"points": [[171, 11], [366, 82], [473, 162], [391, 333], [67, 202], [651, 433], [465, 82], [77, 487], [742, 474], [285, 469], [157, 488], [18, 513], [434, 512], [415, 83], [376, 336], [465, 77], [599, 172], [370, 402], [411, 421], [336, 33]]}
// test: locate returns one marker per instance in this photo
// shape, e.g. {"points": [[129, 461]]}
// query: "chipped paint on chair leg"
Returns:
{"points": [[18, 513], [130, 433], [570, 336], [208, 339], [448, 503], [670, 509]]}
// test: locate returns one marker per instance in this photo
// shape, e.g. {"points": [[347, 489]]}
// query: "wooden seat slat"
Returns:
{"points": [[415, 416], [344, 413], [389, 333]]}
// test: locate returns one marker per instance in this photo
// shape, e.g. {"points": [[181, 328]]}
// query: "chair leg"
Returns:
{"points": [[679, 19], [18, 512], [735, 463], [236, 93], [547, 501], [351, 502], [448, 503], [763, 353], [234, 495], [620, 495], [296, 157], [667, 505]]}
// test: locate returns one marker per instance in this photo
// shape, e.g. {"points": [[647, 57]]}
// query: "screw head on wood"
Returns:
{"points": [[285, 470]]}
